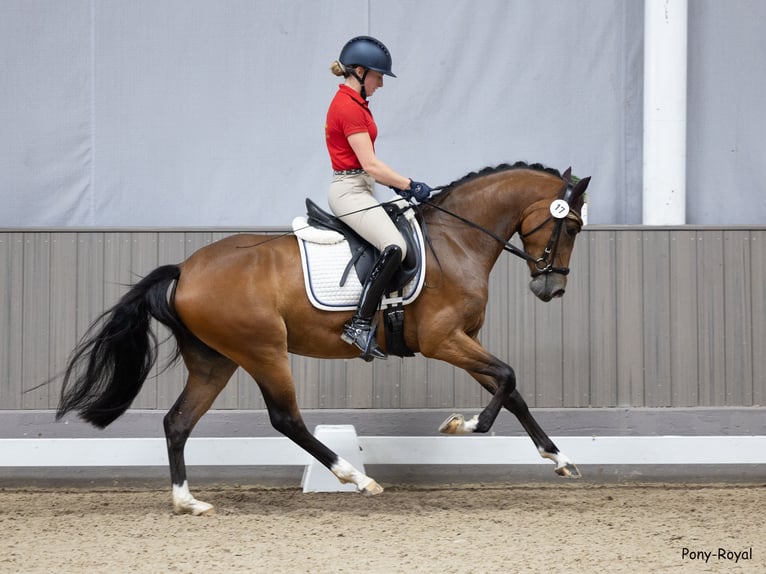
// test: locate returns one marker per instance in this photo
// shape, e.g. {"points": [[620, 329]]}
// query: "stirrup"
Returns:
{"points": [[362, 334]]}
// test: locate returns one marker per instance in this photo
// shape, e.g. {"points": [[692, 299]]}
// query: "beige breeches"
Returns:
{"points": [[351, 199]]}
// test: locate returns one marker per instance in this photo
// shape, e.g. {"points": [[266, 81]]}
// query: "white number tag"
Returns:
{"points": [[559, 209]]}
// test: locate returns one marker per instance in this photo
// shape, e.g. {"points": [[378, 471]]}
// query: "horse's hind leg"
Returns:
{"points": [[276, 383], [208, 374]]}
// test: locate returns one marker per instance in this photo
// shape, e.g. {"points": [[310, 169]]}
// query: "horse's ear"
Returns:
{"points": [[567, 177], [580, 187], [576, 198]]}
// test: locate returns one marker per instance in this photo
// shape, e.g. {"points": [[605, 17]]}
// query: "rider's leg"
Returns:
{"points": [[351, 199], [360, 330]]}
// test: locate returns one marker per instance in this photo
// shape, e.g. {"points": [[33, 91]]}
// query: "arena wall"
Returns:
{"points": [[653, 318]]}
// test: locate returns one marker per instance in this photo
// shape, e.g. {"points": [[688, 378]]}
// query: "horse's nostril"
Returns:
{"points": [[559, 293]]}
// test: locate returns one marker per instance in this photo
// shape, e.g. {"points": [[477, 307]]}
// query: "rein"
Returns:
{"points": [[543, 264]]}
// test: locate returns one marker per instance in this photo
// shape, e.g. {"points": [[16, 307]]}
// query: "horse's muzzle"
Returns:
{"points": [[548, 286]]}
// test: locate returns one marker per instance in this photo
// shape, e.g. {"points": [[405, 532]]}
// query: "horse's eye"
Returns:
{"points": [[572, 230]]}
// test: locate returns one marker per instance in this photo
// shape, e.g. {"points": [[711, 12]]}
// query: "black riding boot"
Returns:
{"points": [[359, 330]]}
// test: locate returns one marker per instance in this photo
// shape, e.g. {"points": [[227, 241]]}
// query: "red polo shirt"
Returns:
{"points": [[348, 114]]}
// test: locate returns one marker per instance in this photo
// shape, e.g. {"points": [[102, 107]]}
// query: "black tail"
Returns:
{"points": [[110, 364]]}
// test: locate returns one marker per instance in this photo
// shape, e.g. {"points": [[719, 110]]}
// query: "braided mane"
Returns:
{"points": [[502, 167]]}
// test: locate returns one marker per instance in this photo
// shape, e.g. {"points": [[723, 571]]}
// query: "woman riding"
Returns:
{"points": [[350, 132]]}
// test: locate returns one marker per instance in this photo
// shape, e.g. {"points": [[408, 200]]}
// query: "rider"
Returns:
{"points": [[350, 132]]}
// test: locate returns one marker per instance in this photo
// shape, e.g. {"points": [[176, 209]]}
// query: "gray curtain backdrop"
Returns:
{"points": [[179, 113]]}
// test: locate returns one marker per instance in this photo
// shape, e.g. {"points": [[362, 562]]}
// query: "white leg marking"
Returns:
{"points": [[564, 466], [470, 426], [559, 458], [185, 503], [347, 473]]}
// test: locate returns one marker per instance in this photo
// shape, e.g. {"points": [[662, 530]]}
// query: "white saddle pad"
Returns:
{"points": [[325, 255]]}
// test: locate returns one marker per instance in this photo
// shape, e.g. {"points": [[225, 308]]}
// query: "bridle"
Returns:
{"points": [[559, 211]]}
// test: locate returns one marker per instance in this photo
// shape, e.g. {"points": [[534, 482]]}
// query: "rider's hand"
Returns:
{"points": [[420, 190]]}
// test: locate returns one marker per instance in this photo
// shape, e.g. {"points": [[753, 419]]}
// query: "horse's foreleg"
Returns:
{"points": [[482, 423], [208, 375], [500, 380], [518, 406]]}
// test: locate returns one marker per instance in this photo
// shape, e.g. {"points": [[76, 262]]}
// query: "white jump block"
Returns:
{"points": [[343, 441]]}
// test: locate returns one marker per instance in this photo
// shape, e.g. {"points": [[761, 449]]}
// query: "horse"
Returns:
{"points": [[241, 302]]}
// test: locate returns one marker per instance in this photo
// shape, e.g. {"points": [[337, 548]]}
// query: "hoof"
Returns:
{"points": [[456, 424], [453, 425], [196, 509], [372, 489], [569, 470]]}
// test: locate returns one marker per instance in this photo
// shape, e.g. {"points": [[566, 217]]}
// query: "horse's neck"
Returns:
{"points": [[492, 206], [497, 203]]}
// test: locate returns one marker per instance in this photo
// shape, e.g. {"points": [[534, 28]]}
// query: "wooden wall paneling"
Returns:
{"points": [[332, 383], [711, 320], [683, 319], [468, 392], [737, 269], [306, 376], [576, 326], [550, 354], [494, 335], [629, 305], [63, 309], [603, 317], [441, 385], [656, 294], [682, 308], [758, 298], [11, 319], [414, 387], [364, 380], [91, 257], [386, 378], [35, 328]]}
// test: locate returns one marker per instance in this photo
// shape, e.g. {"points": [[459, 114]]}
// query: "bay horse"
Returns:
{"points": [[241, 301]]}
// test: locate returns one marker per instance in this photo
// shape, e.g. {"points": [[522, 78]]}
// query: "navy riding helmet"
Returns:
{"points": [[367, 52]]}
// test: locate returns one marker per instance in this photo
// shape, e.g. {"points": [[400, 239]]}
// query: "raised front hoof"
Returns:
{"points": [[569, 470], [455, 424], [372, 489]]}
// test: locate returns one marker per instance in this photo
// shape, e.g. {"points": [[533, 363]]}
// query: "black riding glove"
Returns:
{"points": [[418, 190]]}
